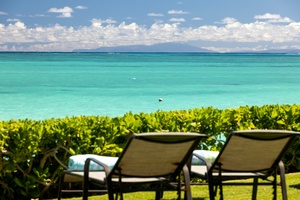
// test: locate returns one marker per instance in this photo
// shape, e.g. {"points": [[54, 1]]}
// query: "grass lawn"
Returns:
{"points": [[230, 192]]}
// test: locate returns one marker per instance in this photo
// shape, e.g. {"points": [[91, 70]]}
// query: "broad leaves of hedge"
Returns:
{"points": [[29, 148]]}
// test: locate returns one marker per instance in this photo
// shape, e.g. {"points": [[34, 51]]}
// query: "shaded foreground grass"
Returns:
{"points": [[230, 192]]}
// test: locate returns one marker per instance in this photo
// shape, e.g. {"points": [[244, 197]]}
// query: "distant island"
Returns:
{"points": [[175, 47], [162, 47]]}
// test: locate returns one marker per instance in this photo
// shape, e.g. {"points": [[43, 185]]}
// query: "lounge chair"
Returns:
{"points": [[152, 159], [247, 154]]}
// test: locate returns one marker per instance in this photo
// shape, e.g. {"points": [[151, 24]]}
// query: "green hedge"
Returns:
{"points": [[30, 149]]}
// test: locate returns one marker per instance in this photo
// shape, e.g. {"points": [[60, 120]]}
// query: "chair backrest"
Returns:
{"points": [[155, 154], [253, 150]]}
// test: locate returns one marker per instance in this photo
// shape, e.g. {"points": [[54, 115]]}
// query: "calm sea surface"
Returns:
{"points": [[46, 85]]}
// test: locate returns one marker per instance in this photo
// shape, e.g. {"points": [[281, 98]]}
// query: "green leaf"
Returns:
{"points": [[280, 122], [274, 114], [72, 151], [19, 182]]}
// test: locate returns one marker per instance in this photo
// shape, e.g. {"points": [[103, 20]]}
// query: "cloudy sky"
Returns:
{"points": [[219, 25]]}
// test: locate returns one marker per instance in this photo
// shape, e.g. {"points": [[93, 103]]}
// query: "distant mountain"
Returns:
{"points": [[291, 51], [274, 51], [174, 47], [163, 47]]}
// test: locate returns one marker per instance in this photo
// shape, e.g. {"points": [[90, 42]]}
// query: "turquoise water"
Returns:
{"points": [[46, 85]]}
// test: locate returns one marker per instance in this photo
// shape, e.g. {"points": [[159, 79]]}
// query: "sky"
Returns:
{"points": [[216, 25]]}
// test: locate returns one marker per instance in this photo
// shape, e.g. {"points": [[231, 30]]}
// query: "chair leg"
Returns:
{"points": [[211, 187], [282, 180], [275, 185], [120, 192], [216, 190], [110, 196], [221, 191], [220, 181], [85, 186], [179, 187], [254, 189], [110, 191], [60, 185], [160, 193], [187, 181]]}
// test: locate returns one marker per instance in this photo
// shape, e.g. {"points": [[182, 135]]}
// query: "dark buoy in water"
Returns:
{"points": [[160, 99]]}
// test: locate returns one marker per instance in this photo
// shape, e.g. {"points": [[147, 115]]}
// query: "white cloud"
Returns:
{"points": [[227, 20], [177, 20], [108, 32], [81, 7], [38, 15], [20, 25], [281, 20], [3, 13], [110, 21], [267, 16], [295, 46], [177, 12], [273, 18], [65, 15], [12, 20], [197, 19], [155, 15], [65, 12], [61, 10], [99, 22]]}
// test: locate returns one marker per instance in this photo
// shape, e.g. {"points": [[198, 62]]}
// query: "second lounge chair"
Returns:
{"points": [[248, 154]]}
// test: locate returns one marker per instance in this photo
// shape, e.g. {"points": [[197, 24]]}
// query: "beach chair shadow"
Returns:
{"points": [[149, 162], [254, 154]]}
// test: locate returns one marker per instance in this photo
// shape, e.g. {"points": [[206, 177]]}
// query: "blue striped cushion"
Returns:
{"points": [[76, 162]]}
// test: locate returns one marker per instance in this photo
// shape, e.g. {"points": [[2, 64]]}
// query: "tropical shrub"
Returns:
{"points": [[33, 153]]}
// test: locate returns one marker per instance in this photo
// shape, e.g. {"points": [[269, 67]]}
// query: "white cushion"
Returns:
{"points": [[76, 162]]}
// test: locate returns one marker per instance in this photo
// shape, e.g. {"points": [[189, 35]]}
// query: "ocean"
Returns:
{"points": [[55, 85]]}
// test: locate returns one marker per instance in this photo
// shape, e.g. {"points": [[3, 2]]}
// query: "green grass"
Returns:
{"points": [[230, 192]]}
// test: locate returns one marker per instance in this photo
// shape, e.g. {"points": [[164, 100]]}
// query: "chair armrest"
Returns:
{"points": [[207, 162], [86, 174], [89, 160]]}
